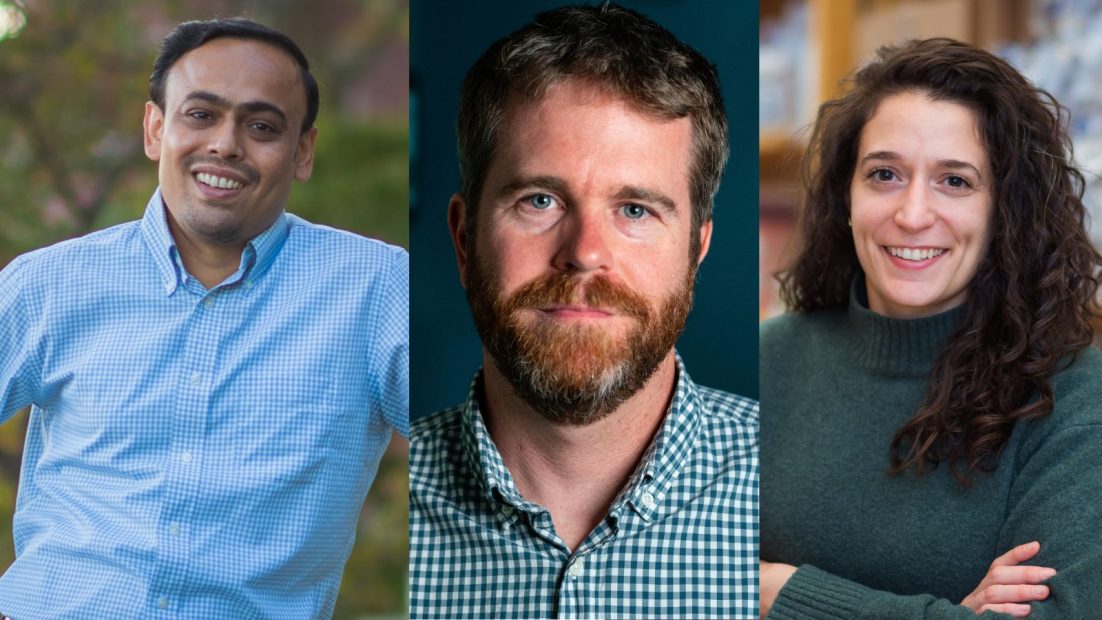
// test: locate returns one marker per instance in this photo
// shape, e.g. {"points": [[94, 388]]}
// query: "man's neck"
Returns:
{"points": [[209, 263], [574, 471]]}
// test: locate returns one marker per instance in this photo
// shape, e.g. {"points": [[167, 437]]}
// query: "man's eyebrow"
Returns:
{"points": [[560, 186], [249, 106], [632, 192], [553, 183], [209, 97]]}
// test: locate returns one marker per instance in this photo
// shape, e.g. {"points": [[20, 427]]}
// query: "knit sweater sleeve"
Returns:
{"points": [[1056, 499], [815, 594]]}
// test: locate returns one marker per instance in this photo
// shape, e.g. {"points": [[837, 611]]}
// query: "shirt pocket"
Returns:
{"points": [[288, 434]]}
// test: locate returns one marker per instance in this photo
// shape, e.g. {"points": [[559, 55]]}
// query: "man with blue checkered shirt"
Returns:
{"points": [[212, 387], [586, 476]]}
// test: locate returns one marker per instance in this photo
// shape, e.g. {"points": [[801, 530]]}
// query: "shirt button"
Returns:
{"points": [[648, 500], [186, 457], [249, 284], [162, 603], [577, 568], [175, 529], [208, 302], [195, 377]]}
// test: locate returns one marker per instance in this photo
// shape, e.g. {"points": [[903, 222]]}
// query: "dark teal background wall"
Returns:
{"points": [[720, 343]]}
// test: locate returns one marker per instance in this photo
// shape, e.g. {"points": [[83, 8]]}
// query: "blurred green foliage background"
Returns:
{"points": [[73, 85]]}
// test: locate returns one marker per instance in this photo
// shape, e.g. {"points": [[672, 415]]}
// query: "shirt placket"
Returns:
{"points": [[581, 585], [195, 383]]}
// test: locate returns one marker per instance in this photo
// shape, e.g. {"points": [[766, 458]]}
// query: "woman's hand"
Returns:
{"points": [[771, 578], [1007, 587]]}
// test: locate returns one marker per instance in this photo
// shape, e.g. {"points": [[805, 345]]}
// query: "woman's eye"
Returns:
{"points": [[882, 175], [957, 182], [540, 201], [634, 211]]}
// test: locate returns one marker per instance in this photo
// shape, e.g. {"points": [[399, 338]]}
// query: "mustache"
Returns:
{"points": [[245, 170], [567, 288]]}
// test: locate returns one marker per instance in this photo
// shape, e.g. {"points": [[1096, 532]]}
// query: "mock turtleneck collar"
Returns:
{"points": [[901, 347]]}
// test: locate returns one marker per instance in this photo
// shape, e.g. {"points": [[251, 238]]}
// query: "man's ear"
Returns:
{"points": [[153, 129], [304, 155], [457, 226], [705, 240]]}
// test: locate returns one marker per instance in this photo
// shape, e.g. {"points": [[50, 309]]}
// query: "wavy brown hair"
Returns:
{"points": [[1028, 308]]}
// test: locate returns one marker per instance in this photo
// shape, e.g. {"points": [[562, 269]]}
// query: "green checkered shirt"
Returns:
{"points": [[680, 540]]}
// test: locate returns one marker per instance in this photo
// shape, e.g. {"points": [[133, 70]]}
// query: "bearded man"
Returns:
{"points": [[586, 475]]}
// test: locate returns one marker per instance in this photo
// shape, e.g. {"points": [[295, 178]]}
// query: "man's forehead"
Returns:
{"points": [[229, 66], [563, 113]]}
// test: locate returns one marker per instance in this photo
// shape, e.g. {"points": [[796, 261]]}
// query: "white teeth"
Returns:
{"points": [[914, 254], [215, 181]]}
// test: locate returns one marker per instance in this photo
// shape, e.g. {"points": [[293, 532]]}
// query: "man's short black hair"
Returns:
{"points": [[191, 35]]}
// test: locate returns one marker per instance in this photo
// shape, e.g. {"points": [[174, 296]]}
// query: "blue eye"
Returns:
{"points": [[634, 211], [540, 201]]}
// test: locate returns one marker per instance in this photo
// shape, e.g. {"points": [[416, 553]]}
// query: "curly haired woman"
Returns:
{"points": [[931, 409]]}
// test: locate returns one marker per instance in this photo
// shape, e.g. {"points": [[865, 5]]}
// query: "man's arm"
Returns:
{"points": [[391, 363], [19, 375]]}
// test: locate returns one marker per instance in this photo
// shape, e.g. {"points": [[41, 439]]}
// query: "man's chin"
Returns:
{"points": [[218, 225], [575, 388]]}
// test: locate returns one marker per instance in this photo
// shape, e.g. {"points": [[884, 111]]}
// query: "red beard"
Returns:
{"points": [[574, 374]]}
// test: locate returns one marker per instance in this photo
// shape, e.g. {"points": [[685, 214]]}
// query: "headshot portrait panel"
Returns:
{"points": [[720, 341], [570, 199], [203, 309], [931, 389]]}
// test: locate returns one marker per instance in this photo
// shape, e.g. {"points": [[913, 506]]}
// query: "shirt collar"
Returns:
{"points": [[646, 489], [256, 259]]}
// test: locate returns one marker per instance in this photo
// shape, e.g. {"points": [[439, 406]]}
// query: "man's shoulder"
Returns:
{"points": [[335, 245], [436, 463], [102, 248], [728, 406], [732, 419], [441, 426]]}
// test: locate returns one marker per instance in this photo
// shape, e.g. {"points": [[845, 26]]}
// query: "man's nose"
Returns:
{"points": [[225, 141], [585, 242]]}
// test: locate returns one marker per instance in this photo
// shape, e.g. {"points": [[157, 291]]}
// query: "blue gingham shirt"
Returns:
{"points": [[194, 453], [680, 540]]}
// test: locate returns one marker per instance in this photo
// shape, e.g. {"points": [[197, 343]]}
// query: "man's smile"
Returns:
{"points": [[220, 182], [217, 181]]}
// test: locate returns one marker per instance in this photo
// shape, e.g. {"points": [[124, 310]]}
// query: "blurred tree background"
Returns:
{"points": [[73, 85]]}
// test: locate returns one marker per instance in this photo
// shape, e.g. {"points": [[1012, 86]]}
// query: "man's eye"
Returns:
{"points": [[200, 115], [263, 127], [540, 201], [634, 211]]}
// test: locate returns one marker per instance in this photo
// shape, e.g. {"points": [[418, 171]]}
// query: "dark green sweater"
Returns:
{"points": [[835, 387]]}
